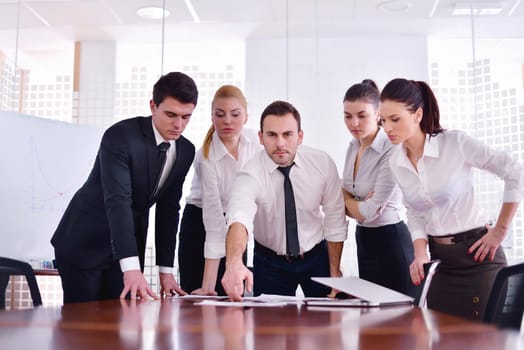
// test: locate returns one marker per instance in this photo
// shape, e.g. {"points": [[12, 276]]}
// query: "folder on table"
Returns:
{"points": [[367, 294]]}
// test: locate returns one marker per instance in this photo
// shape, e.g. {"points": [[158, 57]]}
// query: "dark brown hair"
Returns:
{"points": [[177, 85], [415, 95], [280, 108], [366, 90]]}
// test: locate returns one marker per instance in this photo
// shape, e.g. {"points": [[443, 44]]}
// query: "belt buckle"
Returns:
{"points": [[449, 240], [461, 237], [293, 258], [443, 240]]}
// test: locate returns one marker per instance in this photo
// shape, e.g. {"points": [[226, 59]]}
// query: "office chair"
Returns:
{"points": [[10, 267], [506, 300], [429, 270]]}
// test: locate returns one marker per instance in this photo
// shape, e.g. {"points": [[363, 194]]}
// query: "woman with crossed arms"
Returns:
{"points": [[434, 170], [372, 197]]}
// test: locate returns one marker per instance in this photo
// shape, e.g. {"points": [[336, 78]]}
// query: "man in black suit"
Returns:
{"points": [[100, 241]]}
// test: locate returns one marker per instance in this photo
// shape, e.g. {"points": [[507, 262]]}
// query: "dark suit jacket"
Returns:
{"points": [[107, 218]]}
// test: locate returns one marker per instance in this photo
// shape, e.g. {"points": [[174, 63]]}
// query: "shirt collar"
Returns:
{"points": [[431, 146], [379, 144], [219, 149], [430, 150]]}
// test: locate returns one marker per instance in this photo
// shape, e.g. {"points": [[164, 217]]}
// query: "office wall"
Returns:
{"points": [[43, 163], [314, 74]]}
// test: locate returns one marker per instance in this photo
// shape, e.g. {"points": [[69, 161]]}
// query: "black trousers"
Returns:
{"points": [[273, 274], [100, 283], [384, 255]]}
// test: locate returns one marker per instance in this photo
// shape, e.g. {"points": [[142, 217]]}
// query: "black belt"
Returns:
{"points": [[460, 237], [270, 253]]}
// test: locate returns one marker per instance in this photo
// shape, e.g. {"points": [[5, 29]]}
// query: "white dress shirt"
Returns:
{"points": [[132, 262], [216, 174], [440, 197], [257, 200], [374, 174]]}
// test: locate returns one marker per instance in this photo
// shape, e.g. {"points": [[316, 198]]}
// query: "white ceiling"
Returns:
{"points": [[49, 22]]}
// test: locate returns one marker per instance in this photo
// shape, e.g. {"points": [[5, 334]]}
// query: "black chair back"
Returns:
{"points": [[10, 267], [506, 301], [429, 270]]}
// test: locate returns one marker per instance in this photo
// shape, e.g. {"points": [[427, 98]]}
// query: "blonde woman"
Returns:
{"points": [[226, 148]]}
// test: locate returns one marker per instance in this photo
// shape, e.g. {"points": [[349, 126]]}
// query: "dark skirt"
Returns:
{"points": [[461, 286], [384, 255], [191, 259]]}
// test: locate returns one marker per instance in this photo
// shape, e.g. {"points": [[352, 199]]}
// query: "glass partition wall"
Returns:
{"points": [[94, 62]]}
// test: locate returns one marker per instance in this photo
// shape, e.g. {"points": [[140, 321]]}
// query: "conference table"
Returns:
{"points": [[175, 323]]}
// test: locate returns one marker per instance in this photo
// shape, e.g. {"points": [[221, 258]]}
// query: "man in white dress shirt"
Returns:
{"points": [[257, 207]]}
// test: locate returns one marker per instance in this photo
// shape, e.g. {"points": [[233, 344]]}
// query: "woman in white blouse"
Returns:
{"points": [[434, 171], [371, 194], [226, 148]]}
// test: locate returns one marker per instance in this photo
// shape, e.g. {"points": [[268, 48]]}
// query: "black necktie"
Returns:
{"points": [[292, 245], [162, 155]]}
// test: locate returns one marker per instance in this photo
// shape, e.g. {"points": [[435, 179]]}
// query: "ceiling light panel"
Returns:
{"points": [[152, 12], [482, 8]]}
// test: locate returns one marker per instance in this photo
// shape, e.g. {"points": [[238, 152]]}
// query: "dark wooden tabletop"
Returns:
{"points": [[179, 324]]}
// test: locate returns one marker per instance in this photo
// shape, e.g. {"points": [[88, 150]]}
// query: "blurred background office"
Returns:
{"points": [[90, 63]]}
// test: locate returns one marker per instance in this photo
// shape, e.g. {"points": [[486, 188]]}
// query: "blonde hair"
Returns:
{"points": [[225, 91]]}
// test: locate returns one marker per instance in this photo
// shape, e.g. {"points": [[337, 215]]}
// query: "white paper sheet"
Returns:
{"points": [[244, 304]]}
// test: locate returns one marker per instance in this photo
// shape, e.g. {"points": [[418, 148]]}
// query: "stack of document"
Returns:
{"points": [[361, 293], [263, 300]]}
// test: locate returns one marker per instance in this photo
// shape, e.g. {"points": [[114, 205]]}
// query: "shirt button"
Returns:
{"points": [[475, 313], [476, 300]]}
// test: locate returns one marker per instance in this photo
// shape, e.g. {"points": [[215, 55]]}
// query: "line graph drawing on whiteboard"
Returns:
{"points": [[53, 184], [44, 162]]}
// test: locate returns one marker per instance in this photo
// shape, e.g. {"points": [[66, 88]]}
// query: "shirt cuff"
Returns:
{"points": [[130, 263], [165, 269], [418, 234], [369, 212], [511, 196], [365, 210], [248, 224], [337, 235], [214, 250]]}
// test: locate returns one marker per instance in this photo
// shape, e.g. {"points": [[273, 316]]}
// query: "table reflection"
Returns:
{"points": [[179, 324]]}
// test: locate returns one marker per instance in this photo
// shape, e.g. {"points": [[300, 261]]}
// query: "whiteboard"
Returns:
{"points": [[44, 162]]}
